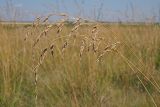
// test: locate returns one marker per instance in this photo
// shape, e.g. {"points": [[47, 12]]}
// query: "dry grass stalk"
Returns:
{"points": [[93, 40], [76, 25], [47, 18], [114, 46], [97, 46], [64, 46], [147, 91], [74, 29], [94, 37], [108, 48], [36, 22], [54, 14], [44, 32], [29, 33], [63, 14], [132, 66], [60, 26], [82, 47], [26, 35], [42, 56]]}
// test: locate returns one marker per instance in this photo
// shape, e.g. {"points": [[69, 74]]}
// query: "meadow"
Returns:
{"points": [[80, 65]]}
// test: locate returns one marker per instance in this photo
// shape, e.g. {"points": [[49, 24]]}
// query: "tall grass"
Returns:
{"points": [[79, 65]]}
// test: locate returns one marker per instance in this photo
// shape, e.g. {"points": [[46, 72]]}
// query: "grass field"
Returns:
{"points": [[80, 65]]}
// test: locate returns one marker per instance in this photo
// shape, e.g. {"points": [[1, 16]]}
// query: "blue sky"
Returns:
{"points": [[104, 10]]}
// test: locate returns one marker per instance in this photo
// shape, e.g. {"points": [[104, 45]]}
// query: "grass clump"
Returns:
{"points": [[79, 65]]}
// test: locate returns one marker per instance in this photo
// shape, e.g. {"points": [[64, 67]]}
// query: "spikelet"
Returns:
{"points": [[60, 26], [97, 46], [64, 46], [94, 33], [43, 54], [115, 46], [75, 28], [51, 49], [47, 18], [108, 48]]}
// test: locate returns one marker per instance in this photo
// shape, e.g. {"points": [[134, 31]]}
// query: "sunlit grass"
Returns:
{"points": [[68, 80]]}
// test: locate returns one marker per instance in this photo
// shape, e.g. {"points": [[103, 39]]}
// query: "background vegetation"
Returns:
{"points": [[126, 75]]}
